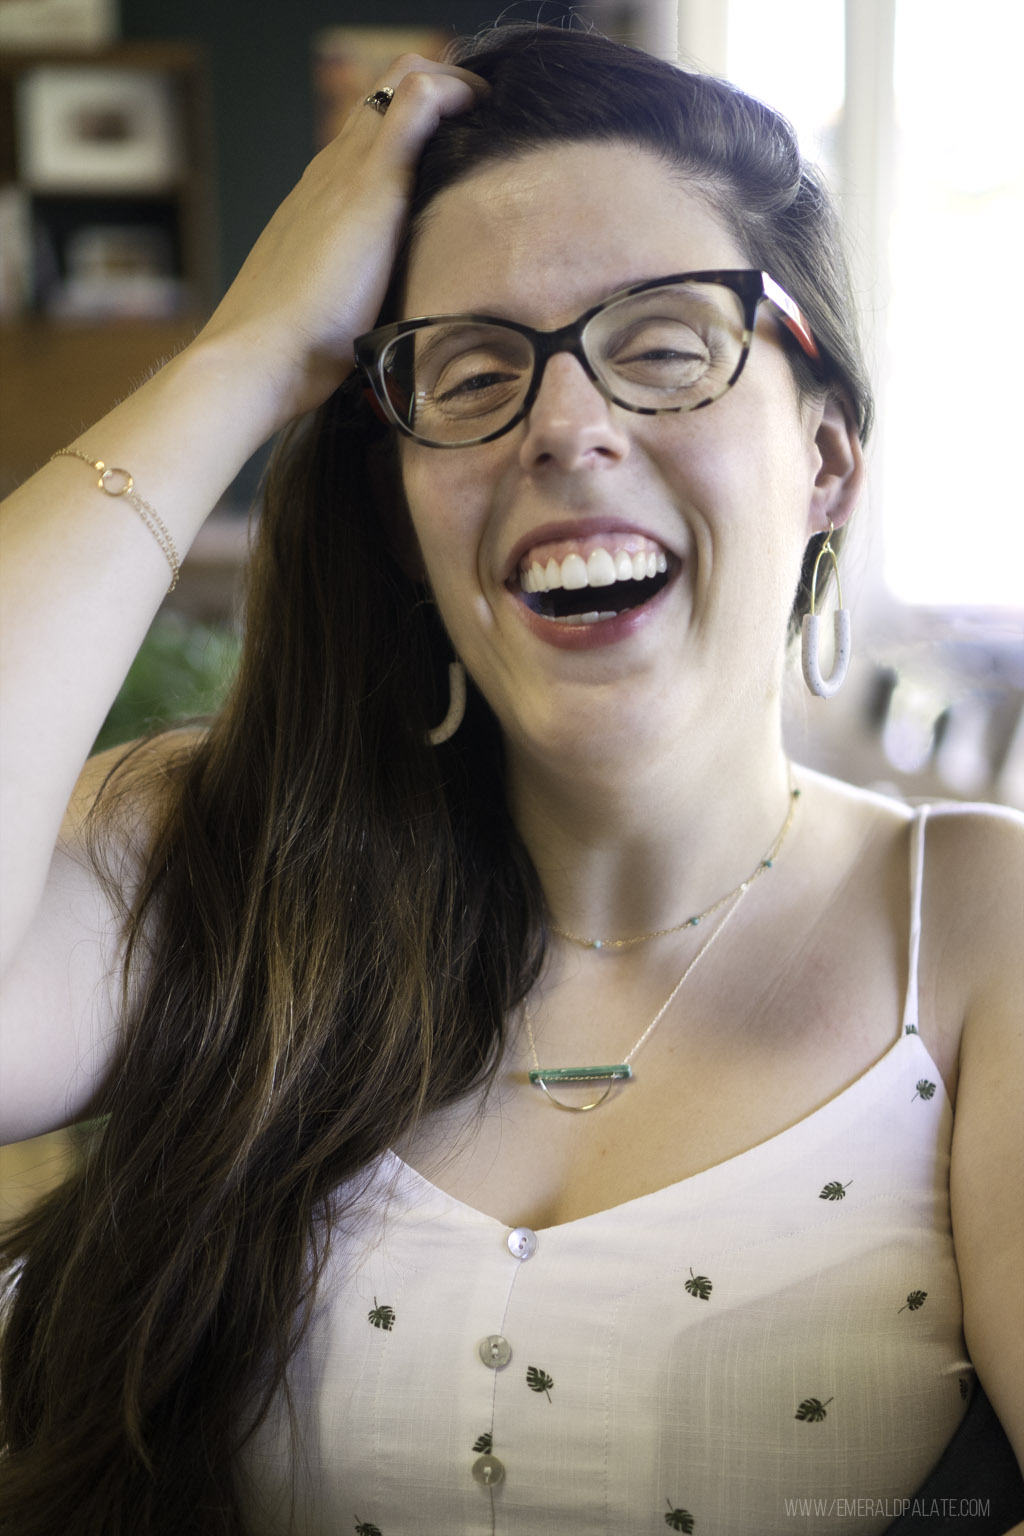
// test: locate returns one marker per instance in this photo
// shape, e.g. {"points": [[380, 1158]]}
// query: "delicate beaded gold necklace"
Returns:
{"points": [[540, 1076]]}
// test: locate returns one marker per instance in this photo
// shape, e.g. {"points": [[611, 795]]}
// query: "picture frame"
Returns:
{"points": [[118, 271], [88, 128], [36, 24]]}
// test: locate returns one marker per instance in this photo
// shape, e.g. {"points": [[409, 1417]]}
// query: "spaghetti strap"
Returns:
{"points": [[916, 885]]}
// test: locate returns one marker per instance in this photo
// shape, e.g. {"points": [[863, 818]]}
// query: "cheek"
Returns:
{"points": [[752, 456], [446, 516], [390, 506], [746, 484], [425, 507]]}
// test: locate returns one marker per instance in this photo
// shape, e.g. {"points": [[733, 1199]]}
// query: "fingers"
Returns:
{"points": [[424, 91], [317, 276], [415, 63]]}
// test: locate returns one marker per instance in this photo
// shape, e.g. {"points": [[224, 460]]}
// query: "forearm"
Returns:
{"points": [[81, 577]]}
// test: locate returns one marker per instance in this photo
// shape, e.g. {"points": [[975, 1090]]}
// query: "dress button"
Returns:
{"points": [[495, 1351], [522, 1243], [489, 1471]]}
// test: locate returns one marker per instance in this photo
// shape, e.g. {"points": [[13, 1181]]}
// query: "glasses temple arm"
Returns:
{"points": [[791, 316]]}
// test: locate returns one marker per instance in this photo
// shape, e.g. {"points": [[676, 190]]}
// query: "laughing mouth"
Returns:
{"points": [[585, 588]]}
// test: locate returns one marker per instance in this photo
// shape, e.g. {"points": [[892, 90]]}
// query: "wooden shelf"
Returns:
{"points": [[57, 378], [58, 374]]}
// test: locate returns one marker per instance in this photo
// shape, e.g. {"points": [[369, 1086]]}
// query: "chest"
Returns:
{"points": [[750, 1050]]}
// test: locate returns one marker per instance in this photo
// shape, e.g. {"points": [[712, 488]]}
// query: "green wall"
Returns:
{"points": [[259, 57]]}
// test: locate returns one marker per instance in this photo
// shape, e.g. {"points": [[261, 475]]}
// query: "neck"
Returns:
{"points": [[629, 847]]}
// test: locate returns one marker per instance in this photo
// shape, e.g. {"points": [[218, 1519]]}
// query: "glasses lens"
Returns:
{"points": [[672, 348], [457, 381]]}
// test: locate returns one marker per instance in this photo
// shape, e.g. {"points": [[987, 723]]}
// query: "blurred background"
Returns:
{"points": [[144, 143]]}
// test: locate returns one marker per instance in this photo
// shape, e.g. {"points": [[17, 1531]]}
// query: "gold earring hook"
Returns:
{"points": [[826, 549]]}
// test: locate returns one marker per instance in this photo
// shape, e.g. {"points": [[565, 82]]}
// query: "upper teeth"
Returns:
{"points": [[602, 568]]}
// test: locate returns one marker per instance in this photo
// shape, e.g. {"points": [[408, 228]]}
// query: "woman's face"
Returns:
{"points": [[725, 498]]}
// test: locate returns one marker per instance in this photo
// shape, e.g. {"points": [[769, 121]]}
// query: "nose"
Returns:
{"points": [[570, 424]]}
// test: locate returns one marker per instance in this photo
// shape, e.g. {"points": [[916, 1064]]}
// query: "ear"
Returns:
{"points": [[389, 502], [839, 478]]}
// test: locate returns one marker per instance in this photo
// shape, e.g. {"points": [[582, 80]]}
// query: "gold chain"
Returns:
{"points": [[693, 922], [118, 482], [732, 901]]}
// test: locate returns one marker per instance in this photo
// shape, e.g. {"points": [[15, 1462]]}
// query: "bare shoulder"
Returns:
{"points": [[987, 841], [848, 817], [851, 800], [972, 920], [974, 852], [979, 855], [61, 997], [974, 892], [971, 970]]}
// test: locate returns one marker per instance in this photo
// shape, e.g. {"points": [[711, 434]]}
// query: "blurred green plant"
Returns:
{"points": [[183, 668]]}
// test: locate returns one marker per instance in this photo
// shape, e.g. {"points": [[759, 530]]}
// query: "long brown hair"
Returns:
{"points": [[334, 924]]}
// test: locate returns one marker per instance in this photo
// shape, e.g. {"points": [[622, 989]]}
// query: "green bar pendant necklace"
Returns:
{"points": [[541, 1077]]}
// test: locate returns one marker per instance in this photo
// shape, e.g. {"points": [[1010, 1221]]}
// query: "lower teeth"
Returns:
{"points": [[586, 618], [626, 596]]}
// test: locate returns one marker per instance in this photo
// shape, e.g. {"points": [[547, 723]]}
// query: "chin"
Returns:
{"points": [[597, 728]]}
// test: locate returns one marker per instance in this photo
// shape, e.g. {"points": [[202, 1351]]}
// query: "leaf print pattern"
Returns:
{"points": [[539, 1381], [835, 1190], [364, 1528], [699, 1285], [914, 1300], [962, 1383], [381, 1317], [924, 1088], [678, 1519], [484, 1443], [812, 1410]]}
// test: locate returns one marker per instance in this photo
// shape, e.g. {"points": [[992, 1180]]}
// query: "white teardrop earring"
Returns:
{"points": [[456, 706], [825, 687]]}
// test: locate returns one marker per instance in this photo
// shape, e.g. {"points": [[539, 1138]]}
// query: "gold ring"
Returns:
{"points": [[380, 100]]}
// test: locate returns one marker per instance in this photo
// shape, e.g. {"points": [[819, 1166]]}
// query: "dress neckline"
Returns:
{"points": [[783, 1144]]}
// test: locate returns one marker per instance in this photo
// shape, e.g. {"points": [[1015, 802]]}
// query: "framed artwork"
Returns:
{"points": [[348, 62], [117, 271], [85, 127], [32, 24]]}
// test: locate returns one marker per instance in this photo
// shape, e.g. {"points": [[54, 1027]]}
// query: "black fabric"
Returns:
{"points": [[976, 1489]]}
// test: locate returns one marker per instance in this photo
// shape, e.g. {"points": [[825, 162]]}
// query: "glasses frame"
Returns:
{"points": [[750, 285]]}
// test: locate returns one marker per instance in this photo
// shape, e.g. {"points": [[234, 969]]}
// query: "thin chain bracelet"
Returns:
{"points": [[118, 482]]}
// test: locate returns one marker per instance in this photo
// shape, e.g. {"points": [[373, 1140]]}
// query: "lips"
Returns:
{"points": [[587, 580]]}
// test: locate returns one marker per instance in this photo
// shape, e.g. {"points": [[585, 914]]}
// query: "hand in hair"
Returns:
{"points": [[317, 275]]}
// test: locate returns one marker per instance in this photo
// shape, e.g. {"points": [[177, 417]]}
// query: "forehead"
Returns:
{"points": [[541, 237]]}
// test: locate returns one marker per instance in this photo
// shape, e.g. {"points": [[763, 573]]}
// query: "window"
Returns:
{"points": [[953, 497], [929, 167]]}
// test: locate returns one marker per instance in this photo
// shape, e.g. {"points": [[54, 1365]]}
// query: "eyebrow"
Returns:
{"points": [[434, 341], [507, 317], [484, 315]]}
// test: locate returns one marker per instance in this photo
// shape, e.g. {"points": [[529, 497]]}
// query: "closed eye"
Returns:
{"points": [[474, 383]]}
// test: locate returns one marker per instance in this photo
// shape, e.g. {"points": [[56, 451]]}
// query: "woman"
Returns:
{"points": [[335, 1259]]}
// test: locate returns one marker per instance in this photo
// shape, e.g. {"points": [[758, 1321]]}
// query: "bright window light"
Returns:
{"points": [[952, 497], [790, 54]]}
